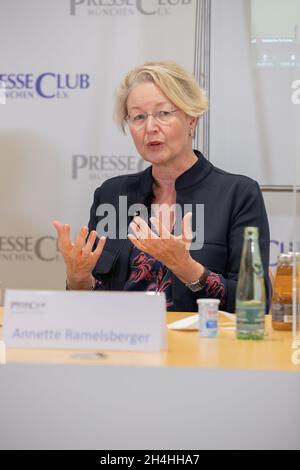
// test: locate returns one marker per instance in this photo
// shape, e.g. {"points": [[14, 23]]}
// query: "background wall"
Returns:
{"points": [[255, 57], [254, 123], [61, 61]]}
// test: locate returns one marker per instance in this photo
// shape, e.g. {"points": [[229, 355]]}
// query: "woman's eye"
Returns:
{"points": [[139, 117]]}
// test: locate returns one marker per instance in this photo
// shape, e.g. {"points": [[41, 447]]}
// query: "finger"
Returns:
{"points": [[65, 237], [141, 231], [140, 227], [135, 242], [134, 230], [63, 230], [90, 242], [80, 239], [66, 230], [97, 252], [166, 217], [58, 227], [186, 227], [146, 231], [160, 228], [130, 228], [63, 234]]}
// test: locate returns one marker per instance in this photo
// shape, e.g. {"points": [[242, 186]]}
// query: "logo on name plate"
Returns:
{"points": [[46, 85], [24, 307], [122, 8]]}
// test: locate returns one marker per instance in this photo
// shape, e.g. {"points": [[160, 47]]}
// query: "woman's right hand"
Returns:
{"points": [[79, 258]]}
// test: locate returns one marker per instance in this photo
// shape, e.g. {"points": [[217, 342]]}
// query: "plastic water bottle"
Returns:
{"points": [[251, 292]]}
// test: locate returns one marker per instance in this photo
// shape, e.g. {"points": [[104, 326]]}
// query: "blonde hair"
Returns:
{"points": [[177, 84]]}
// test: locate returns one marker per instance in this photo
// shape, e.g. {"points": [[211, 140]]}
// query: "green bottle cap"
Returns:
{"points": [[251, 232]]}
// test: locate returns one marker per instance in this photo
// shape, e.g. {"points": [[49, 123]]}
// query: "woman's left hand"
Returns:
{"points": [[172, 251]]}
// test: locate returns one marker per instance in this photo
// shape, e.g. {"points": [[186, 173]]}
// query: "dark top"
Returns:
{"points": [[231, 202], [148, 274]]}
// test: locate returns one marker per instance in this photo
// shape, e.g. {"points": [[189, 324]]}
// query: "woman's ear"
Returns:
{"points": [[193, 121]]}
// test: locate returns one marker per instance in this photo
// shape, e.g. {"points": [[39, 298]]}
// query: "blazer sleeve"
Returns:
{"points": [[96, 202], [248, 210]]}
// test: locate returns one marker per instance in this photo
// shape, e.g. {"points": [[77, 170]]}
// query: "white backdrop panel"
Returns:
{"points": [[56, 150]]}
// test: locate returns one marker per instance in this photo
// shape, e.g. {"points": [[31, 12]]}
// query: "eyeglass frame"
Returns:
{"points": [[127, 119]]}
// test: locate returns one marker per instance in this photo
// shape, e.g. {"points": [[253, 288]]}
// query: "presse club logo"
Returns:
{"points": [[102, 167], [126, 7], [47, 85], [22, 248]]}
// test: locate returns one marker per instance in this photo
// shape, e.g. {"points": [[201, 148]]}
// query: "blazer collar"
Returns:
{"points": [[193, 176]]}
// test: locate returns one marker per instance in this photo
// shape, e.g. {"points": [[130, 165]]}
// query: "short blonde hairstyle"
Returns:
{"points": [[177, 84]]}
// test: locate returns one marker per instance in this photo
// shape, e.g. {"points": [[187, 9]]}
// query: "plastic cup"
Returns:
{"points": [[208, 317]]}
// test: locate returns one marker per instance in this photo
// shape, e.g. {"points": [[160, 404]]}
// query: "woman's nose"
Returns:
{"points": [[151, 123]]}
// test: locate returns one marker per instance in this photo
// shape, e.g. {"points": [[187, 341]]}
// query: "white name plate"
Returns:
{"points": [[119, 321]]}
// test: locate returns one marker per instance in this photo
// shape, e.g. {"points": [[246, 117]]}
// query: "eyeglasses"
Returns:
{"points": [[139, 120]]}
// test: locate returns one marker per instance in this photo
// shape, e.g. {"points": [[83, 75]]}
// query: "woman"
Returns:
{"points": [[161, 103]]}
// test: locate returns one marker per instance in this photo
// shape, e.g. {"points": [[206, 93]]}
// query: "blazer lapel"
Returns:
{"points": [[117, 251]]}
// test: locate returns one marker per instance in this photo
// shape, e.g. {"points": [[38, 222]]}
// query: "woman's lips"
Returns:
{"points": [[154, 144]]}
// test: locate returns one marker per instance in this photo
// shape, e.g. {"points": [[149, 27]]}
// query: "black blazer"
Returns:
{"points": [[231, 202]]}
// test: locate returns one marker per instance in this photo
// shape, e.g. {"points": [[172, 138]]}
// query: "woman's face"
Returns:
{"points": [[156, 142]]}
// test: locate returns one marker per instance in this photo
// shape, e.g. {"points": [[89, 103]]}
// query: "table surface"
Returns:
{"points": [[185, 349]]}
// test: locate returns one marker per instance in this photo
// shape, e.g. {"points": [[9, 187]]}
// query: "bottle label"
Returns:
{"points": [[250, 320], [250, 315], [208, 323], [282, 313]]}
